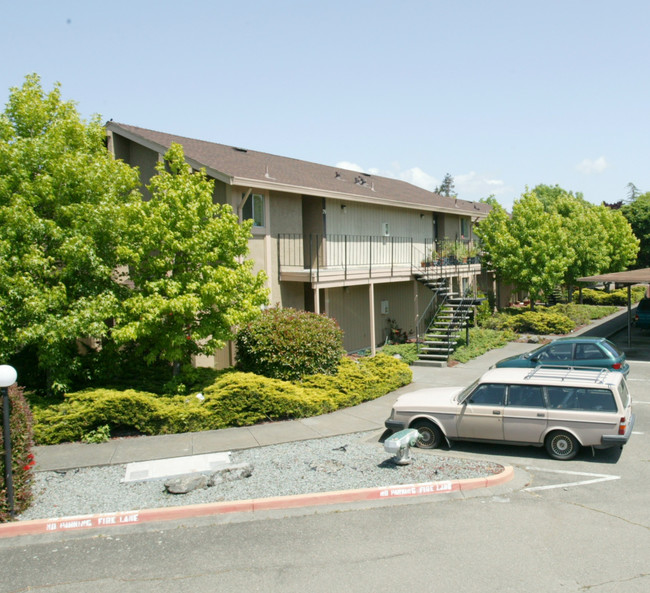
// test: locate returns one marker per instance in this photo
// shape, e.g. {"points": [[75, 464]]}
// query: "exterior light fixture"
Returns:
{"points": [[8, 377]]}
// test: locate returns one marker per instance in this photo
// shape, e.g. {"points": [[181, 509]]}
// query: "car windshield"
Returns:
{"points": [[465, 392]]}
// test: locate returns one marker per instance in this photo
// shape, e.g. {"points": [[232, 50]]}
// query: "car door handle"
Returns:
{"points": [[496, 412], [541, 415]]}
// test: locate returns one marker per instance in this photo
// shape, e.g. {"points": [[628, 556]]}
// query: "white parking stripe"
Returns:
{"points": [[599, 478]]}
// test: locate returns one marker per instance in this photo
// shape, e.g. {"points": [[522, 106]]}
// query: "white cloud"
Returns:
{"points": [[588, 166], [350, 166]]}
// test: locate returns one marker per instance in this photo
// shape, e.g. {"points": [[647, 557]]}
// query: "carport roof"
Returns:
{"points": [[641, 276]]}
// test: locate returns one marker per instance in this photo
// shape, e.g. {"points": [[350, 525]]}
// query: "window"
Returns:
{"points": [[254, 208], [488, 395], [556, 352], [464, 228], [526, 396], [589, 352]]}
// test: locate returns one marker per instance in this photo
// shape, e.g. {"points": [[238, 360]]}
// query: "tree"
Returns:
{"points": [[637, 213], [185, 256], [61, 202], [529, 249], [446, 188]]}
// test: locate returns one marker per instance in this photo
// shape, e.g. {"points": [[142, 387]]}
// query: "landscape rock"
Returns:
{"points": [[185, 484], [231, 473]]}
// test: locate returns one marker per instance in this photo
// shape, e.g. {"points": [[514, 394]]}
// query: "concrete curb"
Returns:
{"points": [[39, 526]]}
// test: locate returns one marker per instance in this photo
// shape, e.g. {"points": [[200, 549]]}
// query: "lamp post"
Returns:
{"points": [[8, 377]]}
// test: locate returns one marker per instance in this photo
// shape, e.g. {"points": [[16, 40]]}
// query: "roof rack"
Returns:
{"points": [[562, 373]]}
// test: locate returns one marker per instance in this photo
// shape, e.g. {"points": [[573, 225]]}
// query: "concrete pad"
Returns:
{"points": [[73, 455], [143, 471], [226, 439], [155, 447]]}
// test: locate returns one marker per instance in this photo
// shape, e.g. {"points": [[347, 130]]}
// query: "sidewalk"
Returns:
{"points": [[367, 416]]}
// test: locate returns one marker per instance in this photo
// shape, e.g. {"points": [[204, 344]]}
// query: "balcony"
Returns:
{"points": [[345, 260]]}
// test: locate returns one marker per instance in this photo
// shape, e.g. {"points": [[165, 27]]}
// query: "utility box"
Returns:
{"points": [[399, 445]]}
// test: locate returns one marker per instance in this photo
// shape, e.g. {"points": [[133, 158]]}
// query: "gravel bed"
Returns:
{"points": [[321, 465]]}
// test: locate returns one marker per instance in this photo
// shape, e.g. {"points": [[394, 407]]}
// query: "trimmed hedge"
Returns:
{"points": [[22, 459], [617, 297], [234, 399], [289, 344]]}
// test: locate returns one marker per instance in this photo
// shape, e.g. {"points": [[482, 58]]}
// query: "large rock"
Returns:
{"points": [[231, 473], [185, 484]]}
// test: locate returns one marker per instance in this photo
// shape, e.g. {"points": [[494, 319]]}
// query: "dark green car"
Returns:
{"points": [[572, 352]]}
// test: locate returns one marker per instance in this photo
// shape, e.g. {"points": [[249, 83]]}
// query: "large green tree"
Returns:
{"points": [[185, 256], [637, 213], [61, 199], [83, 256], [554, 237]]}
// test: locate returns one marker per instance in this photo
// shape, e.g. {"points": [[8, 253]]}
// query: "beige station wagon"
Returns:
{"points": [[561, 409]]}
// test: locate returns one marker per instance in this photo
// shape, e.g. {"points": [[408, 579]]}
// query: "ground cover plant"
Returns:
{"points": [[235, 398]]}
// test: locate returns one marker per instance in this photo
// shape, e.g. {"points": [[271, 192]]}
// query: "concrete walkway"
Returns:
{"points": [[364, 417]]}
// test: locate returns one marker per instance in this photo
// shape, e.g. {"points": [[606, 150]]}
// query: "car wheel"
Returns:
{"points": [[430, 434], [561, 445]]}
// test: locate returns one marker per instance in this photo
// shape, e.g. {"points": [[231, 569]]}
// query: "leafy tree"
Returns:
{"points": [[190, 284], [621, 244], [61, 199], [529, 249], [586, 237], [637, 213], [446, 188]]}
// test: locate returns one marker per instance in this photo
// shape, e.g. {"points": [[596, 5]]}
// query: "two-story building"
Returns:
{"points": [[357, 247]]}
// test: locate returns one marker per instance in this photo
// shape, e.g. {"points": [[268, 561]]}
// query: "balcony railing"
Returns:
{"points": [[355, 253]]}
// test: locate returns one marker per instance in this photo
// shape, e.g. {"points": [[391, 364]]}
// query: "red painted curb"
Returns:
{"points": [[37, 526]]}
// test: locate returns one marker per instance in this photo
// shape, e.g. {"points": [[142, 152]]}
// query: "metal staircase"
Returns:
{"points": [[441, 324]]}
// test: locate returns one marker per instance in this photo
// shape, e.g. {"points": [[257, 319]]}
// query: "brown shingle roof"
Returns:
{"points": [[240, 166]]}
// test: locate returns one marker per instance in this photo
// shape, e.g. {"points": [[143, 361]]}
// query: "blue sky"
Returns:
{"points": [[501, 94]]}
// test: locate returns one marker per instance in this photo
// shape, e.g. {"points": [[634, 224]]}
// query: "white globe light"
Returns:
{"points": [[8, 375]]}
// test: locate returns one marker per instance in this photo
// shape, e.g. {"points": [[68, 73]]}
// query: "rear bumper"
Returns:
{"points": [[611, 440]]}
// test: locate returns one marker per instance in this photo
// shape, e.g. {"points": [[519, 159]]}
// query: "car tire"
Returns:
{"points": [[430, 435], [561, 445]]}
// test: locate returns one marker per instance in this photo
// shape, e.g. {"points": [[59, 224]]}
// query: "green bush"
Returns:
{"points": [[22, 459], [235, 399], [289, 344], [617, 297], [542, 322]]}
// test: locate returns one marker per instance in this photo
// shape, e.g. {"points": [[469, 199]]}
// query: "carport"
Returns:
{"points": [[628, 278]]}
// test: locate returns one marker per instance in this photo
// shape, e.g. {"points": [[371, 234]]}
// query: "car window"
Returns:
{"points": [[556, 352], [611, 348], [488, 394], [589, 352], [580, 398], [624, 393], [644, 305], [526, 396], [560, 398]]}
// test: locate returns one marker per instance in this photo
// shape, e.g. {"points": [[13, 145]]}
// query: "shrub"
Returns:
{"points": [[235, 399], [243, 399], [617, 297], [288, 344], [22, 459], [542, 322]]}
